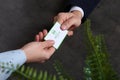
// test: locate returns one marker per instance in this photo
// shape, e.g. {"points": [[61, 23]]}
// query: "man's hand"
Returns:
{"points": [[69, 20]]}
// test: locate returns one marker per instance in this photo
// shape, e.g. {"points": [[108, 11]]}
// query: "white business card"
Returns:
{"points": [[56, 34]]}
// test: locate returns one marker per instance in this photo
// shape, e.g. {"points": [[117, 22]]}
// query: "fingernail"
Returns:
{"points": [[63, 27]]}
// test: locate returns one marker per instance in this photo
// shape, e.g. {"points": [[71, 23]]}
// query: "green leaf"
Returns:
{"points": [[40, 75], [45, 75], [23, 68]]}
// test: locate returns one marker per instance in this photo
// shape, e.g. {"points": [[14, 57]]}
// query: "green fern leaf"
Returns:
{"points": [[97, 63], [63, 75], [31, 74], [40, 75], [45, 75]]}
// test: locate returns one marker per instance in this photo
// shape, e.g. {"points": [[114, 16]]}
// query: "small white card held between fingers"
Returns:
{"points": [[56, 34]]}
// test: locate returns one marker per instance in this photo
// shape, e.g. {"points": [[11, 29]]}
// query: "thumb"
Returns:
{"points": [[47, 43], [51, 50]]}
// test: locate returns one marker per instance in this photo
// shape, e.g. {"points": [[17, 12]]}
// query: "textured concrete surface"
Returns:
{"points": [[20, 20]]}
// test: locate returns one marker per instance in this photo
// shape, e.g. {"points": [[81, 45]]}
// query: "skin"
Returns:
{"points": [[69, 20], [39, 50]]}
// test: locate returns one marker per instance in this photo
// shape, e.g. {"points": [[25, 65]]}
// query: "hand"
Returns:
{"points": [[39, 51], [69, 21], [41, 35]]}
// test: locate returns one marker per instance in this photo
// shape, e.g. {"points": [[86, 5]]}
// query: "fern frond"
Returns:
{"points": [[97, 63], [62, 74], [31, 74]]}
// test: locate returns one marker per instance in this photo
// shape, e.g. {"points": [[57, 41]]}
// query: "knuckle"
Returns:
{"points": [[47, 57], [61, 14]]}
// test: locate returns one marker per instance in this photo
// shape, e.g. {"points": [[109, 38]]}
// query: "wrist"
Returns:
{"points": [[78, 9], [26, 54], [77, 13]]}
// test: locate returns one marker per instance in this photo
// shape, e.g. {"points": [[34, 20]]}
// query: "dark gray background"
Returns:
{"points": [[20, 20]]}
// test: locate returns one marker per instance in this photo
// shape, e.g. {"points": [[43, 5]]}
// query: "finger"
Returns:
{"points": [[72, 28], [55, 19], [47, 43], [37, 38], [70, 33], [42, 61], [44, 32], [51, 50], [68, 23], [60, 18], [63, 17], [40, 36]]}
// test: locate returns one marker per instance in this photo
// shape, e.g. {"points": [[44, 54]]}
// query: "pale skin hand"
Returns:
{"points": [[39, 51], [69, 21]]}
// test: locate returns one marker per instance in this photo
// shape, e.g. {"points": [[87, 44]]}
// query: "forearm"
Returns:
{"points": [[9, 61]]}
